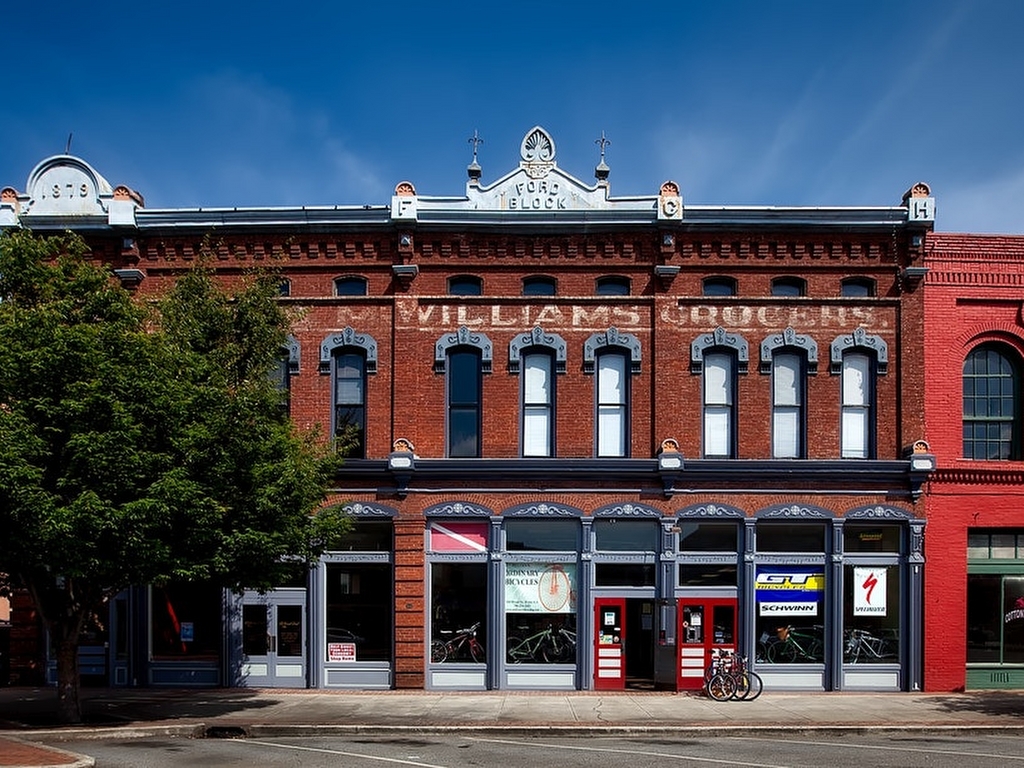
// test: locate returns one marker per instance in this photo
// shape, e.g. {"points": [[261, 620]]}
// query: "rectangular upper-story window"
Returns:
{"points": [[538, 404], [612, 404], [719, 405], [787, 406], [350, 401], [465, 385], [858, 407]]}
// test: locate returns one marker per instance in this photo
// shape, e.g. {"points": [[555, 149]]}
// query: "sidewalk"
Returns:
{"points": [[26, 714]]}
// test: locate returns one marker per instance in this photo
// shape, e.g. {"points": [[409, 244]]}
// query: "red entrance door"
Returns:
{"points": [[705, 625], [610, 644]]}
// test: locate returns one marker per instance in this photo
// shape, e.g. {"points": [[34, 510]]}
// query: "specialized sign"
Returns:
{"points": [[540, 587], [869, 591], [789, 590]]}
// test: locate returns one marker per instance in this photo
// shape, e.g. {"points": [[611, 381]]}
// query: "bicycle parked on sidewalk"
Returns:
{"points": [[553, 645], [729, 677], [462, 645]]}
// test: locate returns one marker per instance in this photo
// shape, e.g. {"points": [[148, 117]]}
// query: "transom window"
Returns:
{"points": [[991, 419]]}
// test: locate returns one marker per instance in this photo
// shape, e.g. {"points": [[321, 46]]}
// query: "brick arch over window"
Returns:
{"points": [[794, 512], [294, 350], [792, 339], [861, 339], [463, 338], [537, 338], [348, 338], [710, 512], [627, 510], [719, 338], [611, 338], [457, 509], [982, 333]]}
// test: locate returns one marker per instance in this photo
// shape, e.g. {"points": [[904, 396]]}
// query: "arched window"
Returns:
{"points": [[991, 385], [789, 286], [719, 286], [350, 286], [857, 286], [539, 285], [612, 286], [465, 285]]}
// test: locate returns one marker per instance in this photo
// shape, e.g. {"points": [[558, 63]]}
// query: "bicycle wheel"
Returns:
{"points": [[748, 686], [438, 652], [519, 650], [721, 687], [476, 651], [558, 651], [781, 652]]}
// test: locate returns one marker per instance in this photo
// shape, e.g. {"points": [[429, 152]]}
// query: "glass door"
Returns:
{"points": [[274, 640]]}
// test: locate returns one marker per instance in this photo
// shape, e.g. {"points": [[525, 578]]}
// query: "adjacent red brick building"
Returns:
{"points": [[974, 342], [604, 435]]}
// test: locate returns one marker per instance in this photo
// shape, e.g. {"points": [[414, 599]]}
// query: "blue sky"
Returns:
{"points": [[761, 103]]}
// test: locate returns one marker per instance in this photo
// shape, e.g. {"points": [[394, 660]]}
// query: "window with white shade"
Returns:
{"points": [[787, 406], [858, 393], [538, 404], [612, 404], [719, 405]]}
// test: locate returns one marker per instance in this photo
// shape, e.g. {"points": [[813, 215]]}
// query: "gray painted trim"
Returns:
{"points": [[348, 338], [710, 511], [878, 512], [536, 338], [794, 512], [294, 349], [789, 338], [719, 338], [463, 338], [861, 339], [457, 509], [542, 510], [611, 338], [626, 510], [363, 509]]}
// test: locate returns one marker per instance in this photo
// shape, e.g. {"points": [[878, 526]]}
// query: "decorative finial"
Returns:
{"points": [[474, 169], [67, 147], [602, 170]]}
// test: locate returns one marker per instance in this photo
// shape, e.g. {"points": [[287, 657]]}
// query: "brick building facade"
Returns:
{"points": [[974, 625], [609, 433]]}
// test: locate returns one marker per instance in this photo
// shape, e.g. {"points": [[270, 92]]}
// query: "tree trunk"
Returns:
{"points": [[69, 706]]}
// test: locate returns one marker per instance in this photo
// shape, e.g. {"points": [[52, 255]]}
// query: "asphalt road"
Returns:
{"points": [[972, 749]]}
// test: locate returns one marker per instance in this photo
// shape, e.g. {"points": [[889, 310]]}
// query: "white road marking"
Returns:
{"points": [[919, 750], [339, 752]]}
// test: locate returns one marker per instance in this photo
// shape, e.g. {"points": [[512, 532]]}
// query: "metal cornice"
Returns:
{"points": [[262, 218]]}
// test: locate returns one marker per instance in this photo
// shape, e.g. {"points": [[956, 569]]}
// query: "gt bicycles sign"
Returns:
{"points": [[540, 587], [789, 590]]}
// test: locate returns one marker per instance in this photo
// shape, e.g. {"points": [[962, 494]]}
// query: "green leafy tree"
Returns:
{"points": [[144, 442]]}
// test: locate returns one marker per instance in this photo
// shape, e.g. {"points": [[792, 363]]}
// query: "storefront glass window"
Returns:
{"points": [[359, 608], [186, 621], [995, 619], [790, 614], [612, 534], [871, 614], [458, 593], [790, 537], [542, 535], [624, 574], [871, 538], [708, 537], [368, 536], [540, 613], [723, 575]]}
